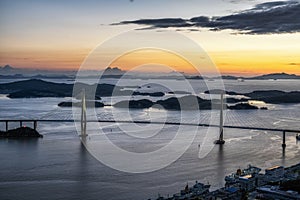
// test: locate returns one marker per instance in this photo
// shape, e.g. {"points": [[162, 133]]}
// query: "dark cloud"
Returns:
{"points": [[273, 4], [265, 18], [271, 17], [294, 64], [238, 1], [159, 23]]}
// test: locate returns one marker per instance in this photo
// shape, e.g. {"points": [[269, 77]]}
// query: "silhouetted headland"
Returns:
{"points": [[21, 132], [35, 88], [268, 96]]}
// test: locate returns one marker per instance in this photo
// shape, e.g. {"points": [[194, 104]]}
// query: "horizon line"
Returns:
{"points": [[73, 70]]}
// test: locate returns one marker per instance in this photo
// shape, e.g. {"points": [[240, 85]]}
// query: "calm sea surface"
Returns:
{"points": [[59, 167]]}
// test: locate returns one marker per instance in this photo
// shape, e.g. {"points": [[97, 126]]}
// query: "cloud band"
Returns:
{"points": [[266, 18]]}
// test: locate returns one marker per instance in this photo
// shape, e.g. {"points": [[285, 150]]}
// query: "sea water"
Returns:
{"points": [[59, 167]]}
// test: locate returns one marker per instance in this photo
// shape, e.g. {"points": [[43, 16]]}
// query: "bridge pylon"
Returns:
{"points": [[221, 139], [83, 115]]}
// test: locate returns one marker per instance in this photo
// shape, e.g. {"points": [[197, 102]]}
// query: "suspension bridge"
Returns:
{"points": [[243, 120]]}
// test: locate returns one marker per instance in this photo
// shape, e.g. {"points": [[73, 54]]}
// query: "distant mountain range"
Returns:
{"points": [[276, 76], [9, 72], [273, 76]]}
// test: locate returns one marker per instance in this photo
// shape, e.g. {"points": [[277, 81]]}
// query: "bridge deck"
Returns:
{"points": [[153, 122]]}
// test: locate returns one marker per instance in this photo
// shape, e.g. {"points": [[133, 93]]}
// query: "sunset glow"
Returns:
{"points": [[45, 36], [154, 57]]}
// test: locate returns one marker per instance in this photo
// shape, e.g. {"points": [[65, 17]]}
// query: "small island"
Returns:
{"points": [[89, 104], [243, 106], [21, 132], [135, 104], [153, 94]]}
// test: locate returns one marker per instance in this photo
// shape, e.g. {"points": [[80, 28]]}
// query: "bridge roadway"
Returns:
{"points": [[284, 131], [152, 122]]}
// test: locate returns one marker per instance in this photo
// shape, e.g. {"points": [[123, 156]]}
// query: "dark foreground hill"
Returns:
{"points": [[38, 88]]}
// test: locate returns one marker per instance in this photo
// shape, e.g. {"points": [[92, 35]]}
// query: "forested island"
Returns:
{"points": [[183, 103], [35, 88]]}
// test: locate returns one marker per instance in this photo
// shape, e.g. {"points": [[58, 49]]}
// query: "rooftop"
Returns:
{"points": [[275, 190], [275, 167], [246, 177]]}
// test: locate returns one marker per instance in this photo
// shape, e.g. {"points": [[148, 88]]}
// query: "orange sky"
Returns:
{"points": [[232, 54], [257, 62], [47, 36], [228, 62], [148, 60]]}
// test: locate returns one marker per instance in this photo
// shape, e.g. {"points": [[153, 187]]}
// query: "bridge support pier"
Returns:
{"points": [[6, 126], [21, 123], [283, 140], [34, 125]]}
